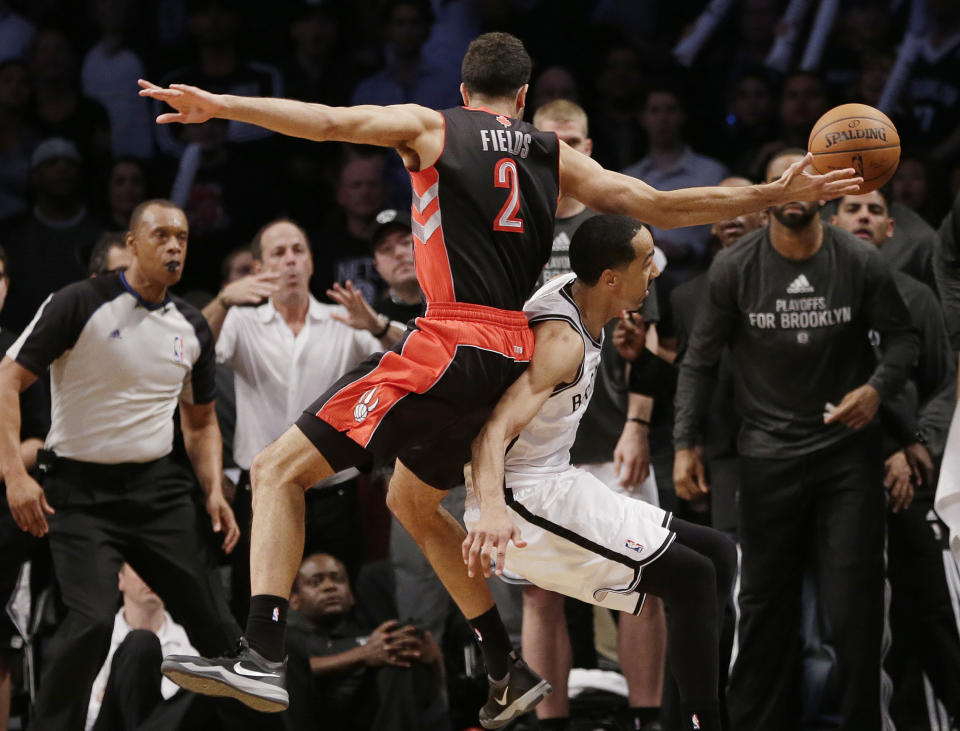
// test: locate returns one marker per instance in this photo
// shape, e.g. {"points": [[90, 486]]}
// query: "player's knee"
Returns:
{"points": [[270, 470], [543, 603], [410, 503]]}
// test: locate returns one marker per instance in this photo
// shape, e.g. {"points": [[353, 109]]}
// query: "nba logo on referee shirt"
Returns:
{"points": [[178, 349], [695, 721]]}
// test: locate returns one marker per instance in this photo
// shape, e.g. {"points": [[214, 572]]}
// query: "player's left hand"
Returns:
{"points": [[222, 519], [631, 456], [360, 315], [488, 539], [796, 184], [857, 408], [193, 105]]}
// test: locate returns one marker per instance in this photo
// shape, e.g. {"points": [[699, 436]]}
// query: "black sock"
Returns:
{"points": [[266, 625], [554, 724], [637, 716], [494, 642], [701, 716]]}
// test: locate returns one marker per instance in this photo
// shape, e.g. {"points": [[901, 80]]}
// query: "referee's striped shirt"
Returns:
{"points": [[118, 366]]}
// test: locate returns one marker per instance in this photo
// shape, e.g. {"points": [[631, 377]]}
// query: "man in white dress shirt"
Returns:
{"points": [[283, 352], [129, 683]]}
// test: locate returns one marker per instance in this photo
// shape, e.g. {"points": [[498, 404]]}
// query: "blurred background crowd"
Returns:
{"points": [[679, 94]]}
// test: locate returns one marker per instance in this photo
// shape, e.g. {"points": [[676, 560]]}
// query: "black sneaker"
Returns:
{"points": [[522, 690], [245, 675]]}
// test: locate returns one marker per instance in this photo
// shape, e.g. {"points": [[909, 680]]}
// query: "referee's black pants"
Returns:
{"points": [[143, 514], [825, 509]]}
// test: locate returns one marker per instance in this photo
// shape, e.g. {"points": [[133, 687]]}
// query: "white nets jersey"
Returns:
{"points": [[544, 444]]}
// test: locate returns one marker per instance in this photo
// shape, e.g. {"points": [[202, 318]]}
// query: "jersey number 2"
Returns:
{"points": [[505, 175]]}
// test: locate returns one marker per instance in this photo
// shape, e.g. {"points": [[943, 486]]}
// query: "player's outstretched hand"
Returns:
{"points": [[689, 477], [488, 539], [798, 184], [193, 105], [857, 408]]}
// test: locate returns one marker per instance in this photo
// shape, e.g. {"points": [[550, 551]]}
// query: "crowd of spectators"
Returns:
{"points": [[300, 258]]}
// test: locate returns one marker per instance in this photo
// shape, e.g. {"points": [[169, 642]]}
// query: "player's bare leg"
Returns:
{"points": [[546, 646], [279, 476], [642, 649], [514, 688], [417, 506], [256, 673]]}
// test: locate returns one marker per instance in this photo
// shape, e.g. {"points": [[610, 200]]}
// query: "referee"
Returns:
{"points": [[122, 353], [795, 301]]}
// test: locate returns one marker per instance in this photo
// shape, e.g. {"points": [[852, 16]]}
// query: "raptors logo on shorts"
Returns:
{"points": [[364, 406]]}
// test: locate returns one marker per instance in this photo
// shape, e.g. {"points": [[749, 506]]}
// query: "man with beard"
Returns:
{"points": [[795, 303]]}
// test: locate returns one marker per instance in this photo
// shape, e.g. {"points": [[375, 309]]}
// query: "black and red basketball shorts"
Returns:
{"points": [[426, 399]]}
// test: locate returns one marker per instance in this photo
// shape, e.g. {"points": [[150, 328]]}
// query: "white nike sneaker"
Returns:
{"points": [[521, 691], [245, 675]]}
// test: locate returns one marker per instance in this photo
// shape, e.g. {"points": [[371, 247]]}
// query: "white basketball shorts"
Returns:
{"points": [[583, 539]]}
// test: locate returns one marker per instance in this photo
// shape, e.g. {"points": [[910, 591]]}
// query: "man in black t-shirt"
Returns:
{"points": [[795, 302], [344, 673]]}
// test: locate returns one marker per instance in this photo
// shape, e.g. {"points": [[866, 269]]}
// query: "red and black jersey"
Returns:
{"points": [[483, 214]]}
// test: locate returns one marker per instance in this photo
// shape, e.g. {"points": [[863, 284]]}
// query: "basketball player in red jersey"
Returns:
{"points": [[485, 187]]}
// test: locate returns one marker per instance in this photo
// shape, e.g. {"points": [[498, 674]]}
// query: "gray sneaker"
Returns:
{"points": [[245, 675], [520, 692]]}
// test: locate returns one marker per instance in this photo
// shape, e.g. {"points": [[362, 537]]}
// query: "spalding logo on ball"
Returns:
{"points": [[856, 136]]}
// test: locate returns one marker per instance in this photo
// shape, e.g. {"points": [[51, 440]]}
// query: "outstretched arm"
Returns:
{"points": [[557, 353], [609, 192], [414, 131]]}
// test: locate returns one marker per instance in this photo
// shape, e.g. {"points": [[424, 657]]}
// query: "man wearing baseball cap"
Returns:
{"points": [[49, 247], [392, 246]]}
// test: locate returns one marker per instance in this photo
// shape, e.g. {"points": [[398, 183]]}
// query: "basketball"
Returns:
{"points": [[859, 137]]}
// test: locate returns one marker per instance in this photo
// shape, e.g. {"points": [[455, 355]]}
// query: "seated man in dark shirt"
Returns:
{"points": [[343, 675]]}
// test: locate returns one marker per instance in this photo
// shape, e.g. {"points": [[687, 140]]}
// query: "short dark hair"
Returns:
{"points": [[256, 245], [602, 242], [101, 251], [495, 65], [227, 264], [142, 207], [885, 191]]}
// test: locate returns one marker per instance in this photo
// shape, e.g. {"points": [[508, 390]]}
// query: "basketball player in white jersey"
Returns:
{"points": [[534, 515]]}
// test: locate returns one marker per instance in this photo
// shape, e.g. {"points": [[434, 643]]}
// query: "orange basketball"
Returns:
{"points": [[859, 137]]}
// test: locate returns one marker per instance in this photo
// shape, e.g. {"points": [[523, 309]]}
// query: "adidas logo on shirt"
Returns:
{"points": [[800, 285]]}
